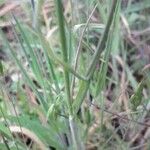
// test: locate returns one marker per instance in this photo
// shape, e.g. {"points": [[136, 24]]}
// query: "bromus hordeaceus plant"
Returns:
{"points": [[102, 45], [49, 112]]}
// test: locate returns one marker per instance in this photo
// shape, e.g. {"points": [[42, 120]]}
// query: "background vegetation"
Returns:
{"points": [[74, 74]]}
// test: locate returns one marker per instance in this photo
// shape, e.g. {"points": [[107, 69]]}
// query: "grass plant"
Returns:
{"points": [[83, 91]]}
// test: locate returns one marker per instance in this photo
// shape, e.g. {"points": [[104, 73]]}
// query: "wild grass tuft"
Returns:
{"points": [[81, 87]]}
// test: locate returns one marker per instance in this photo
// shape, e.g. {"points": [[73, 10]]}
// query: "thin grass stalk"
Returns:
{"points": [[76, 144], [102, 43], [31, 64], [36, 13], [6, 122], [4, 88], [54, 59], [79, 46], [49, 62], [27, 78], [43, 71], [5, 142], [102, 74], [33, 12], [101, 8], [38, 64], [57, 60], [101, 46], [15, 111], [102, 79], [64, 52], [35, 67]]}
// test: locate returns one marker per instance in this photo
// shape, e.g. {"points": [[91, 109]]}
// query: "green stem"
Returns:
{"points": [[101, 46], [76, 144], [37, 16], [64, 51], [102, 43]]}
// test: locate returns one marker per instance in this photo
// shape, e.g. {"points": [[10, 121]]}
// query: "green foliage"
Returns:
{"points": [[1, 68], [62, 95], [2, 2], [136, 98]]}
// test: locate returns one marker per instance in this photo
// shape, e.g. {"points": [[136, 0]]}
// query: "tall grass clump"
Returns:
{"points": [[60, 99], [53, 100]]}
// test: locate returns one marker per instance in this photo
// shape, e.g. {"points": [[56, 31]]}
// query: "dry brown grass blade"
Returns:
{"points": [[141, 46], [121, 117], [146, 68], [141, 136], [28, 133], [123, 98], [8, 7]]}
